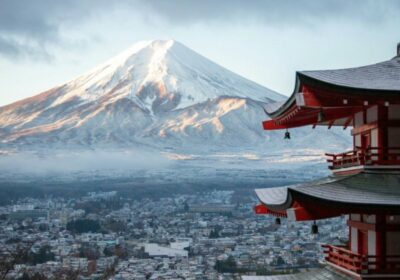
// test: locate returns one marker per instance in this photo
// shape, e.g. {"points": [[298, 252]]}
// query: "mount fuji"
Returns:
{"points": [[159, 95]]}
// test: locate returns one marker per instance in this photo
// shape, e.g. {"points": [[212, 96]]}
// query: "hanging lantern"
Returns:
{"points": [[277, 221], [287, 135], [314, 228]]}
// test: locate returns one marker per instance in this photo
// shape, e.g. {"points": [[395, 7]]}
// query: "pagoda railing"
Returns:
{"points": [[362, 264], [368, 156]]}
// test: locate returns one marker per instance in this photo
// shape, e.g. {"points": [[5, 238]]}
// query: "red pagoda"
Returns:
{"points": [[365, 184]]}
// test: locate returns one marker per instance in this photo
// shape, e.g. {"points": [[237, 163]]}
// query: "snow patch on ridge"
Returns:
{"points": [[171, 68]]}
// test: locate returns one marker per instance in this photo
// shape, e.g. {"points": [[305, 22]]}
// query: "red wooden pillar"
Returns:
{"points": [[362, 241], [382, 132], [381, 241]]}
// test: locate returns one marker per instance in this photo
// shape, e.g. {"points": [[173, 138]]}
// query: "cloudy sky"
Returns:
{"points": [[44, 43]]}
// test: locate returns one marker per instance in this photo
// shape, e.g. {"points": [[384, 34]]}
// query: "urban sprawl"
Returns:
{"points": [[105, 236]]}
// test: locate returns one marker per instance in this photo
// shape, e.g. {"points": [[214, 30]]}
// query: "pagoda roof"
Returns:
{"points": [[366, 188], [383, 76], [337, 93]]}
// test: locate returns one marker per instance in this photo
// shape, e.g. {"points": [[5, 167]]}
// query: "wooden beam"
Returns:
{"points": [[373, 227], [331, 123], [309, 99], [261, 209], [316, 92], [361, 225], [364, 128], [301, 213], [272, 125], [372, 125], [348, 122]]}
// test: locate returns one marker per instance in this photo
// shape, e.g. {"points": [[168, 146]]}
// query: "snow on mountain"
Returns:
{"points": [[156, 94], [161, 76]]}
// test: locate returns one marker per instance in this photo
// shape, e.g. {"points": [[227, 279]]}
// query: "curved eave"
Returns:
{"points": [[361, 191], [290, 102], [342, 205], [383, 77], [276, 199], [380, 80], [301, 116]]}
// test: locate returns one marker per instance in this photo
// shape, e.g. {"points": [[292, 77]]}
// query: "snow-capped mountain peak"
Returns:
{"points": [[156, 93], [161, 75]]}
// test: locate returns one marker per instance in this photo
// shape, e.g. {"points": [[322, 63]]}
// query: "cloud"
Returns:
{"points": [[28, 28], [271, 12], [13, 48], [67, 162]]}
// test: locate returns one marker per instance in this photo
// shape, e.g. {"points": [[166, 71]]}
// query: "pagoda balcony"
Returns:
{"points": [[359, 264], [372, 157]]}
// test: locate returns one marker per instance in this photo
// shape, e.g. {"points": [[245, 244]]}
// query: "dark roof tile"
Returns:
{"points": [[380, 76], [363, 188]]}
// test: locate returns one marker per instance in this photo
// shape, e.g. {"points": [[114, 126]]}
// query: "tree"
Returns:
{"points": [[227, 266], [67, 274], [301, 261], [109, 272], [115, 226], [279, 261], [36, 276], [91, 253], [214, 233], [83, 225], [11, 258], [108, 251], [120, 252], [44, 255]]}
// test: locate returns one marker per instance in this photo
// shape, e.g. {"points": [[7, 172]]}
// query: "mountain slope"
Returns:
{"points": [[157, 93], [118, 101]]}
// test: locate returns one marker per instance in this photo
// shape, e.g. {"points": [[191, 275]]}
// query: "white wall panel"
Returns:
{"points": [[374, 137], [358, 119], [371, 242], [354, 240]]}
